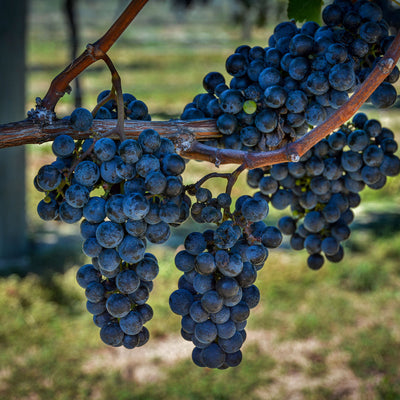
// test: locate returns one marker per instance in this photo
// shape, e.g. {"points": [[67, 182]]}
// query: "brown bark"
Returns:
{"points": [[181, 132]]}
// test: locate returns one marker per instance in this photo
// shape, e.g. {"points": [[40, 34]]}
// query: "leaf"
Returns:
{"points": [[305, 10]]}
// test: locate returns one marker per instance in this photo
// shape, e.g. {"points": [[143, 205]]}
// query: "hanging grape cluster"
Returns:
{"points": [[322, 188], [126, 193]]}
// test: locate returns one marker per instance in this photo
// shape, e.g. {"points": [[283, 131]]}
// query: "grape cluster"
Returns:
{"points": [[322, 188], [217, 291], [279, 92], [118, 304], [133, 108], [143, 195]]}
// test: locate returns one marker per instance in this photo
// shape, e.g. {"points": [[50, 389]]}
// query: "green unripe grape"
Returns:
{"points": [[249, 107]]}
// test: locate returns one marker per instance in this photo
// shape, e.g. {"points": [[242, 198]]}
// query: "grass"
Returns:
{"points": [[332, 334]]}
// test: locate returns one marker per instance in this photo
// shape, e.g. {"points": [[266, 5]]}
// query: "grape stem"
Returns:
{"points": [[110, 96], [231, 177], [60, 84], [97, 54]]}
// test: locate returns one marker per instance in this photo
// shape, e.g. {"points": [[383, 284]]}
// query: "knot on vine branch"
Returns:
{"points": [[183, 140], [41, 114], [386, 65], [291, 153], [95, 52], [294, 157]]}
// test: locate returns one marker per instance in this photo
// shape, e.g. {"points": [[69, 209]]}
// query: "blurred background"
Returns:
{"points": [[332, 334]]}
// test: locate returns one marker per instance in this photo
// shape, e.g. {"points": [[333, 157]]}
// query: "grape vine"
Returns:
{"points": [[283, 115]]}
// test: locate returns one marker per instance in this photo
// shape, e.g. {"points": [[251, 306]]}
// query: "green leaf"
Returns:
{"points": [[305, 10]]}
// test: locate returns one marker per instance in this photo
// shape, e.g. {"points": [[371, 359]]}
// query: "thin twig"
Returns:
{"points": [[110, 96], [60, 84], [96, 53], [233, 178], [193, 187]]}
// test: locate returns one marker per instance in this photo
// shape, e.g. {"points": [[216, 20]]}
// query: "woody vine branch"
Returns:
{"points": [[187, 135]]}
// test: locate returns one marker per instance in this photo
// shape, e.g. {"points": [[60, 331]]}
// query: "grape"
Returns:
{"points": [[94, 292], [77, 196], [108, 170], [212, 80], [81, 119], [125, 171], [69, 214], [63, 146], [195, 243], [87, 173], [158, 233], [131, 249], [384, 96], [172, 164], [137, 110], [337, 98], [48, 177], [236, 65], [118, 305], [130, 151], [342, 77], [287, 225], [127, 281], [149, 140], [266, 121], [87, 274], [359, 48], [105, 149], [231, 345], [47, 210], [203, 283], [231, 101], [315, 261], [351, 161], [390, 165], [254, 210], [109, 234], [109, 261], [301, 45], [135, 206], [211, 301], [250, 136], [296, 101], [180, 301], [91, 247], [112, 334], [94, 210], [212, 356], [332, 15], [372, 127], [370, 32], [132, 323], [147, 269], [315, 114], [140, 295], [114, 208]]}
